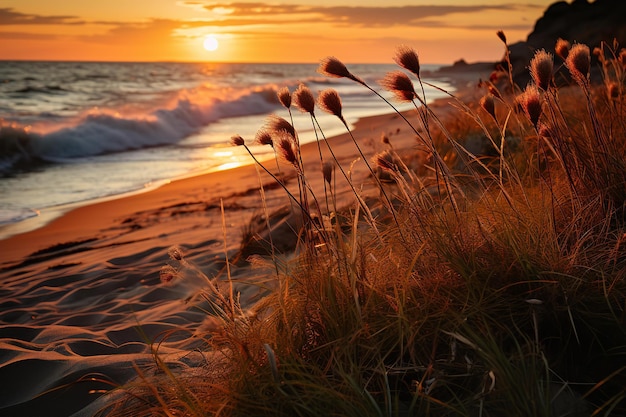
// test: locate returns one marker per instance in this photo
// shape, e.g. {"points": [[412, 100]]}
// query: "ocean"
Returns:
{"points": [[75, 132]]}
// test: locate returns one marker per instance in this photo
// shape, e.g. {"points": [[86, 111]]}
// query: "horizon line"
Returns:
{"points": [[219, 62]]}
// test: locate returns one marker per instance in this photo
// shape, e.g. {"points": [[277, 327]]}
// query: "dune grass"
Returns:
{"points": [[489, 281]]}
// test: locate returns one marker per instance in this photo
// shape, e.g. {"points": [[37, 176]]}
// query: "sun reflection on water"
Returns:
{"points": [[231, 159], [228, 165]]}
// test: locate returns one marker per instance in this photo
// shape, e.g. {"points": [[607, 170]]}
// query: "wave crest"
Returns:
{"points": [[100, 132]]}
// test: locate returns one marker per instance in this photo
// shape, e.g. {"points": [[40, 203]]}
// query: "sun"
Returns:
{"points": [[210, 43]]}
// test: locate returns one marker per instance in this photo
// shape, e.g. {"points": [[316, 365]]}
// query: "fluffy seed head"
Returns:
{"points": [[502, 36], [578, 62], [488, 104], [407, 58], [332, 67], [386, 161], [541, 67], [400, 85], [237, 140], [284, 96], [304, 100], [263, 137], [327, 171], [275, 124], [175, 253], [530, 100], [562, 48], [330, 102], [599, 54], [286, 148]]}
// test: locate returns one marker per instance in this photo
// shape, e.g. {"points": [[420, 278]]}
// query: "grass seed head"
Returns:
{"points": [[562, 48], [332, 67], [286, 148], [541, 67], [502, 36], [407, 58], [237, 140], [530, 100], [330, 101], [275, 124], [284, 96], [175, 252], [598, 52], [263, 137], [304, 100], [578, 63], [386, 161], [400, 85]]}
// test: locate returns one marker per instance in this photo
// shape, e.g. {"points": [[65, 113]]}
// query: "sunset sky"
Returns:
{"points": [[441, 31]]}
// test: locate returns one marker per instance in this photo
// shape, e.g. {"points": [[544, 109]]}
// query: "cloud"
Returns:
{"points": [[469, 25], [129, 32], [26, 36], [346, 15], [118, 31], [242, 14], [8, 16], [394, 16]]}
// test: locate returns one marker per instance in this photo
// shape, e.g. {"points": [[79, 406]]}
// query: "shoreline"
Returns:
{"points": [[46, 227], [80, 220], [36, 215]]}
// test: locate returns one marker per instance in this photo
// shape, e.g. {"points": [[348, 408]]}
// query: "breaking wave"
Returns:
{"points": [[105, 131]]}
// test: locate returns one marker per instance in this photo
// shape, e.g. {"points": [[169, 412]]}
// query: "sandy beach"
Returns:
{"points": [[82, 300], [463, 254]]}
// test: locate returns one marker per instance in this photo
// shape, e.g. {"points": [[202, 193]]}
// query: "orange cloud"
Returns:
{"points": [[351, 15], [8, 16], [129, 32], [26, 36]]}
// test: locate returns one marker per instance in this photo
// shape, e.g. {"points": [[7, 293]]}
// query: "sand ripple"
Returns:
{"points": [[70, 331]]}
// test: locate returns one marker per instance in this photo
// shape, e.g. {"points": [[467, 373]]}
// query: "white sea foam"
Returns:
{"points": [[99, 132]]}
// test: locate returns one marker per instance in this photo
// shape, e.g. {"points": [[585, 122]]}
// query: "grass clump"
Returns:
{"points": [[490, 284]]}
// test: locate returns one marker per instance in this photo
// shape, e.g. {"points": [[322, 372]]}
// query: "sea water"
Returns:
{"points": [[73, 132]]}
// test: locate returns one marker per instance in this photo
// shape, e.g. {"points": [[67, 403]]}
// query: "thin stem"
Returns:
{"points": [[289, 194], [231, 293], [356, 194], [380, 185]]}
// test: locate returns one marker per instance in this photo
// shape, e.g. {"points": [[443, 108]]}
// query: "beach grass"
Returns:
{"points": [[482, 273]]}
